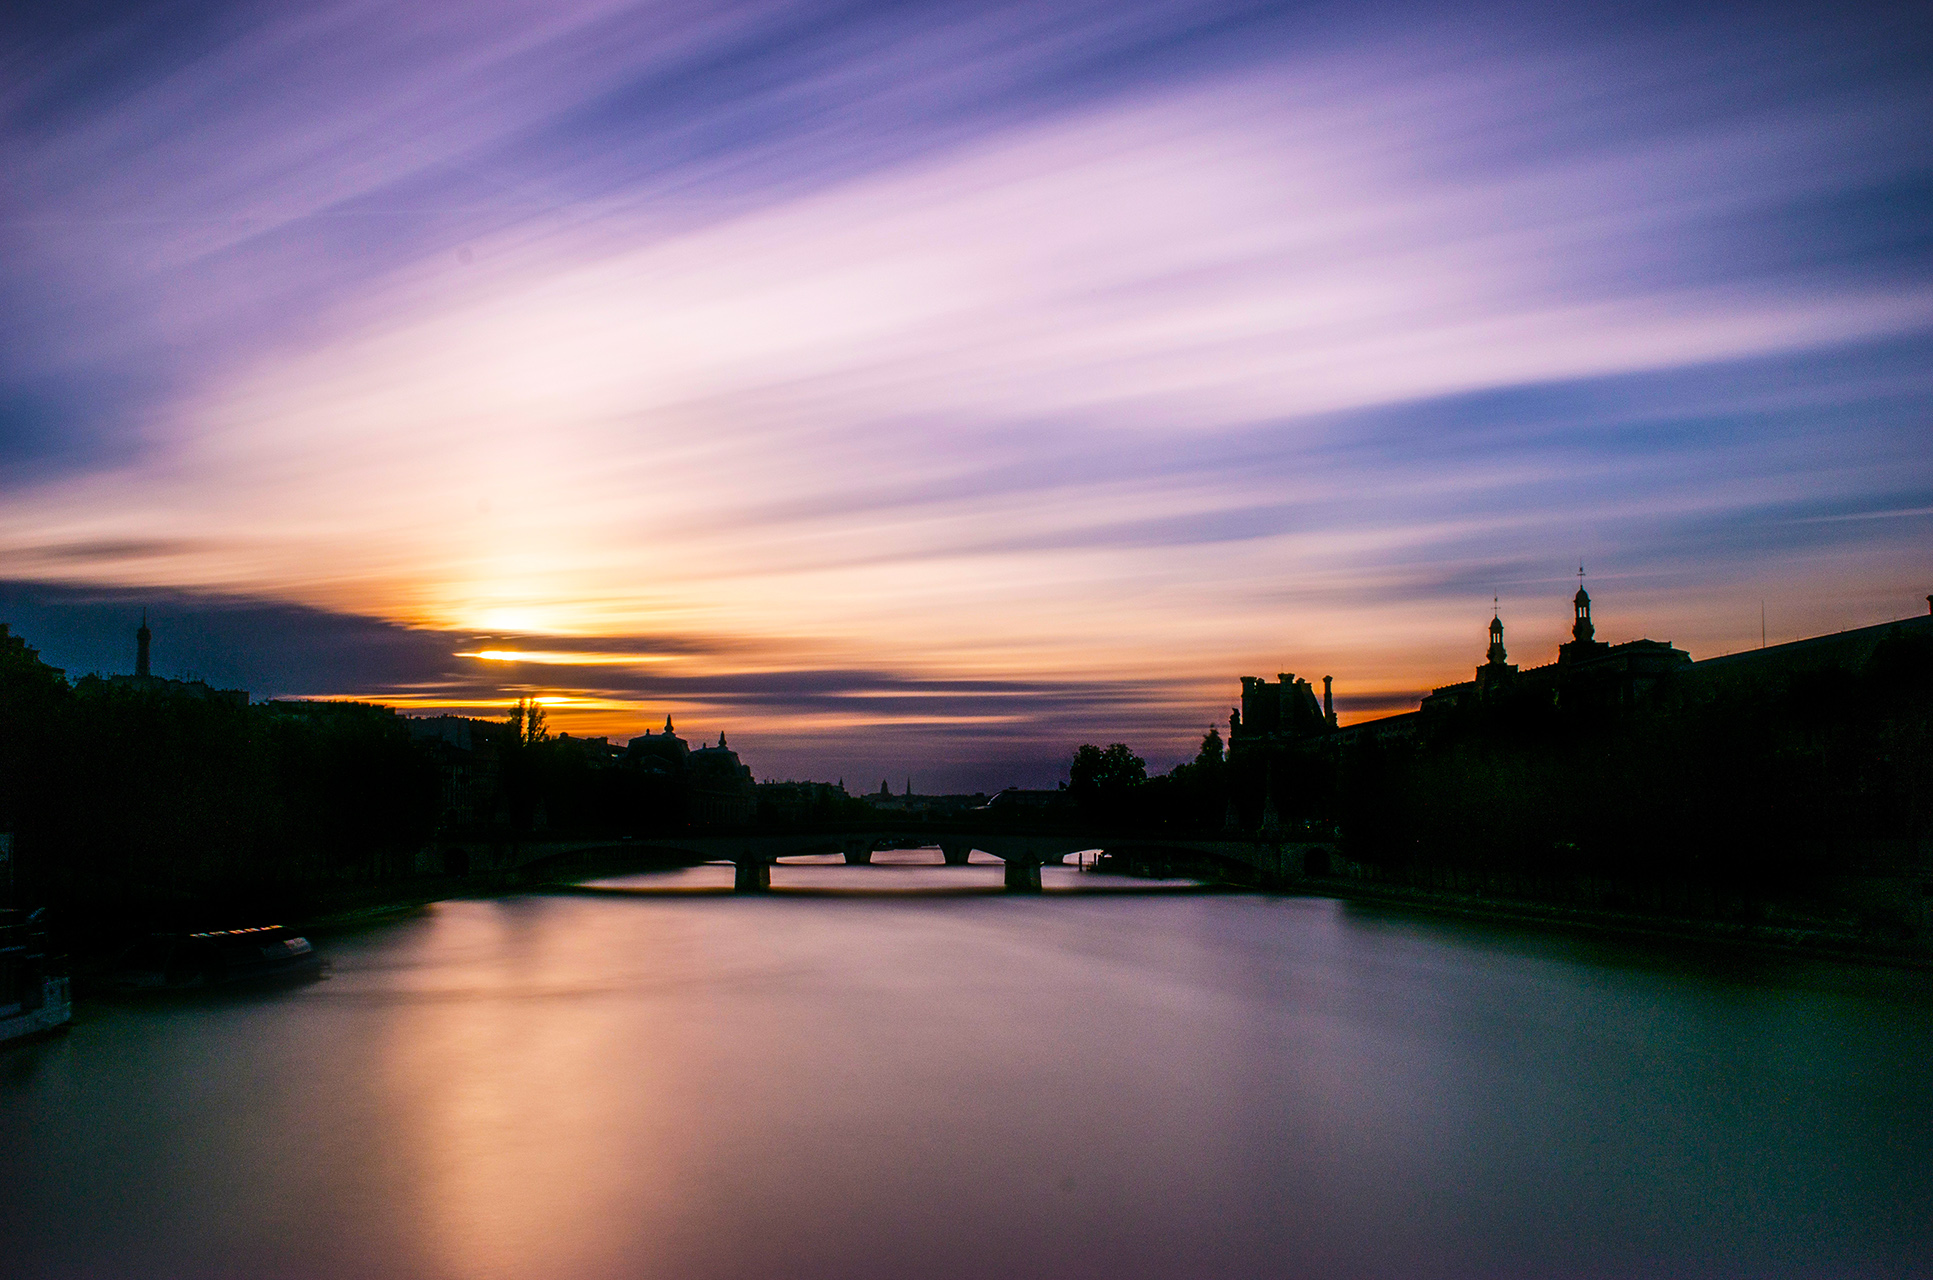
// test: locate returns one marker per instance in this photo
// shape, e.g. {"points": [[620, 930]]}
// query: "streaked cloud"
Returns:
{"points": [[562, 657], [1125, 346]]}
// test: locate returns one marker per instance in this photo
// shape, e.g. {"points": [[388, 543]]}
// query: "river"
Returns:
{"points": [[643, 1080]]}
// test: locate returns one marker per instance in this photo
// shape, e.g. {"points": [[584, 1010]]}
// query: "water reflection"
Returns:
{"points": [[1142, 1085], [898, 872]]}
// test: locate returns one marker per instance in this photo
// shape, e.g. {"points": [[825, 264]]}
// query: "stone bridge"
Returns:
{"points": [[1024, 850]]}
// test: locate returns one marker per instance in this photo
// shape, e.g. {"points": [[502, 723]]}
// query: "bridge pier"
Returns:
{"points": [[751, 875], [858, 853], [955, 852], [1023, 877]]}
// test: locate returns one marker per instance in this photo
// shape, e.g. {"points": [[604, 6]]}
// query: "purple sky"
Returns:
{"points": [[930, 388]]}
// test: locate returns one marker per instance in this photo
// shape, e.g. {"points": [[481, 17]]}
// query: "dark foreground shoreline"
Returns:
{"points": [[1791, 939]]}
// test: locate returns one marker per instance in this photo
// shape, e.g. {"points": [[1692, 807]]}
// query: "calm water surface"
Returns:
{"points": [[648, 1081]]}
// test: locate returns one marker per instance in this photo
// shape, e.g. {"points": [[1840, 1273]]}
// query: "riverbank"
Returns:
{"points": [[348, 909], [1788, 937], [90, 950]]}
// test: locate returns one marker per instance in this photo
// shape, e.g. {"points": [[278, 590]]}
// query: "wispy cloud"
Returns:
{"points": [[970, 343], [1903, 513]]}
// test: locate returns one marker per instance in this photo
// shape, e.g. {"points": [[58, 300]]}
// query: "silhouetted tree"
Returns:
{"points": [[1111, 769], [527, 723], [1101, 778], [529, 767]]}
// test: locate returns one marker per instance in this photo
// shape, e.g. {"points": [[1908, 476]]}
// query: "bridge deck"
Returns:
{"points": [[1023, 850]]}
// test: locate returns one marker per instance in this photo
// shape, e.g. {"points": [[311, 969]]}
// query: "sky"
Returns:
{"points": [[924, 389]]}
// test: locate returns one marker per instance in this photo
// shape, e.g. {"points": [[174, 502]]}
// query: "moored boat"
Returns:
{"points": [[213, 958], [34, 1000]]}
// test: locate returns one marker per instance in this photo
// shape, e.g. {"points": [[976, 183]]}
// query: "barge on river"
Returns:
{"points": [[215, 958], [34, 1000]]}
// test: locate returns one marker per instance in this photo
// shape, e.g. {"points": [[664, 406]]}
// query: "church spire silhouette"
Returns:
{"points": [[1582, 630]]}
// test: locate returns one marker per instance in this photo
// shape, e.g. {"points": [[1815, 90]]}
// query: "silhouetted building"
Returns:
{"points": [[663, 753], [1286, 711], [469, 766], [598, 753], [1497, 671], [722, 792], [459, 732], [143, 681], [1588, 674], [1841, 651], [1591, 676], [923, 806], [791, 803], [716, 787]]}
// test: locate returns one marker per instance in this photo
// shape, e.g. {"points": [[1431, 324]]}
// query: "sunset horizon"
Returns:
{"points": [[939, 393]]}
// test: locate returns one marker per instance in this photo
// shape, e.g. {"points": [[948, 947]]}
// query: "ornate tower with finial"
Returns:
{"points": [[142, 637], [1496, 670], [1584, 645]]}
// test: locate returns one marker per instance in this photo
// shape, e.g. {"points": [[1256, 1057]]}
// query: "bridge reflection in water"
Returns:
{"points": [[1022, 852]]}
